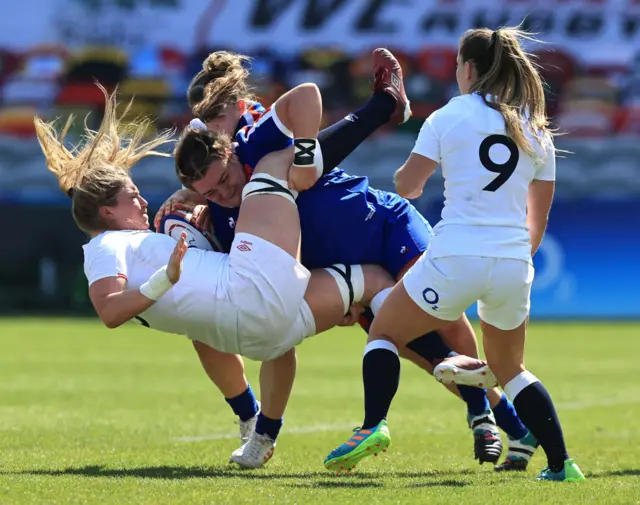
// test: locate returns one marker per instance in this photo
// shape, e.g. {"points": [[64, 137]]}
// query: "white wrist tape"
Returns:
{"points": [[157, 285], [307, 153]]}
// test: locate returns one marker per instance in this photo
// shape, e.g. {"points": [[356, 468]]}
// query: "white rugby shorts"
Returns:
{"points": [[266, 286], [445, 287]]}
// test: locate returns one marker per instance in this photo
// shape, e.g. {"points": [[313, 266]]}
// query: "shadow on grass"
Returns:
{"points": [[321, 478], [628, 472], [335, 484], [441, 483]]}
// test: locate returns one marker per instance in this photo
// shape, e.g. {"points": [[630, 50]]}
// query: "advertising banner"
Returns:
{"points": [[603, 29], [588, 266]]}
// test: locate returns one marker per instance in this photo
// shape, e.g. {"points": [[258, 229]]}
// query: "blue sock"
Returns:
{"points": [[507, 419], [245, 405], [475, 398], [268, 426]]}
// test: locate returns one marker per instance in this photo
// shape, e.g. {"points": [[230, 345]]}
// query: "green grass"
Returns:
{"points": [[89, 415]]}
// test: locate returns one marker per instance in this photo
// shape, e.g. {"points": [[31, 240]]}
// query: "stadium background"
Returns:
{"points": [[51, 50]]}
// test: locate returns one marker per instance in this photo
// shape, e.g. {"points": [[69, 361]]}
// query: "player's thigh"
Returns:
{"points": [[401, 320], [504, 350], [270, 345], [507, 302], [446, 287], [272, 218], [266, 284], [325, 300], [460, 337], [432, 293]]}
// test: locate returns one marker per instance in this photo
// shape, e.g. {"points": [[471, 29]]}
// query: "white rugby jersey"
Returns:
{"points": [[486, 180], [196, 306]]}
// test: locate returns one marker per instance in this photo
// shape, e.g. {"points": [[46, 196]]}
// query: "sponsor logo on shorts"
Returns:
{"points": [[244, 246], [431, 297], [232, 223]]}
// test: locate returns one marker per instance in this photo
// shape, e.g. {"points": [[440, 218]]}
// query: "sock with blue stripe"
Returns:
{"points": [[268, 426], [245, 405], [507, 419]]}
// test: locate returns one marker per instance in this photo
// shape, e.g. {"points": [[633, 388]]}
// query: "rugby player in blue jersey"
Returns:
{"points": [[358, 224]]}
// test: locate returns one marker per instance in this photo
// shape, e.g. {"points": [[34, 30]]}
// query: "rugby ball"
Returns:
{"points": [[180, 221]]}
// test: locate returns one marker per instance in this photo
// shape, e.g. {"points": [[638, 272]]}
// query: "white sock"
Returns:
{"points": [[518, 383]]}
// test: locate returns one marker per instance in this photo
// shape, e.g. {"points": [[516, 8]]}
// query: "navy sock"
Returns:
{"points": [[431, 347], [342, 138], [475, 398], [245, 405], [507, 419], [268, 426], [536, 410], [381, 376]]}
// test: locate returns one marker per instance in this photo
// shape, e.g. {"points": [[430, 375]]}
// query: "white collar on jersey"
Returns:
{"points": [[494, 99]]}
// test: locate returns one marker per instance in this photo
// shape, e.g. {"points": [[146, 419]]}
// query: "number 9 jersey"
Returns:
{"points": [[486, 178]]}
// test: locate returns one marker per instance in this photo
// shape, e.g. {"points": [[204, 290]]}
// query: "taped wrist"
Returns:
{"points": [[157, 285], [307, 153]]}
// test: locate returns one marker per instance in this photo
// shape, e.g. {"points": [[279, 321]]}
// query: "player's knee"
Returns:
{"points": [[307, 91], [350, 282], [265, 184], [376, 279]]}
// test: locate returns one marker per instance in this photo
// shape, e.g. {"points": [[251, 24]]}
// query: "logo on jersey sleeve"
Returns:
{"points": [[244, 246]]}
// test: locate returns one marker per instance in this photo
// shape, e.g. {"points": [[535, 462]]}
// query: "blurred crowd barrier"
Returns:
{"points": [[53, 51]]}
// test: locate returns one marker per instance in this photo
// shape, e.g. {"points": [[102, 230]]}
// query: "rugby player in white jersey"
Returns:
{"points": [[498, 161], [257, 301]]}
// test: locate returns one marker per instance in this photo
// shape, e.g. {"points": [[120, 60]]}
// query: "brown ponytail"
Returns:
{"points": [[507, 73], [222, 81]]}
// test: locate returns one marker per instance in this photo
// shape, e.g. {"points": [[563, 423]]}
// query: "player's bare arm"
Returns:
{"points": [[115, 304], [411, 177], [538, 206]]}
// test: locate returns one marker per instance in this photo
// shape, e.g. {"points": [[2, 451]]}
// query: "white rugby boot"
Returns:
{"points": [[255, 452]]}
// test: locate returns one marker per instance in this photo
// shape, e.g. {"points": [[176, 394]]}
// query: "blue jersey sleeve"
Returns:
{"points": [[265, 135]]}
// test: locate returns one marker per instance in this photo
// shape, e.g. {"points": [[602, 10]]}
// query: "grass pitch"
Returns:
{"points": [[90, 415]]}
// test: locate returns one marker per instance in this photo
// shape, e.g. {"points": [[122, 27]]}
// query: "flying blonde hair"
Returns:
{"points": [[93, 171]]}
